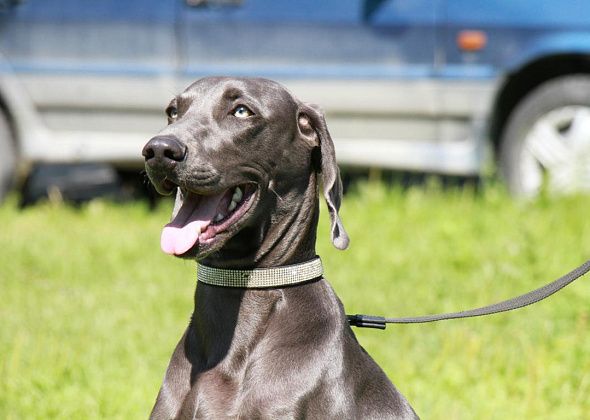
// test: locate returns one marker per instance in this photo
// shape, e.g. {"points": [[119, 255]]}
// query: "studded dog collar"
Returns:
{"points": [[261, 277]]}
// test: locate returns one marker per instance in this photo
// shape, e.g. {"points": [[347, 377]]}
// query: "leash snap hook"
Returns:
{"points": [[367, 321]]}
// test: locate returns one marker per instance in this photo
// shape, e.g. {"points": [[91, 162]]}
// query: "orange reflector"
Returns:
{"points": [[471, 40]]}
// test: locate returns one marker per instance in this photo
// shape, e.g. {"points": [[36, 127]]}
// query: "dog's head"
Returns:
{"points": [[239, 153]]}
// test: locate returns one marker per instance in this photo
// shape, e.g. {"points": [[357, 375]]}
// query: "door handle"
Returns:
{"points": [[8, 4], [213, 3]]}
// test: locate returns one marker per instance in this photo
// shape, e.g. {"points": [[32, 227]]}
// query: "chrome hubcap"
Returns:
{"points": [[557, 152]]}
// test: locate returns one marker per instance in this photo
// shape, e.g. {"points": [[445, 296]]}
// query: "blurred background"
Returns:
{"points": [[442, 87], [492, 92]]}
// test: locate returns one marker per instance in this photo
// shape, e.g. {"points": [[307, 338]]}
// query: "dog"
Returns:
{"points": [[245, 159]]}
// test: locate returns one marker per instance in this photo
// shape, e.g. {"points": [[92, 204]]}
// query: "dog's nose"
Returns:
{"points": [[164, 149]]}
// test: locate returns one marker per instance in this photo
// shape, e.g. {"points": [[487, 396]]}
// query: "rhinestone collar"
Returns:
{"points": [[261, 277]]}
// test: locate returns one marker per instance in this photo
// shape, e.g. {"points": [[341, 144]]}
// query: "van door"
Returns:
{"points": [[368, 63], [95, 73]]}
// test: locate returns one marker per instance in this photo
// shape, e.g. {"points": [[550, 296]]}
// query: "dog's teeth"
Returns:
{"points": [[218, 217], [237, 197], [232, 205]]}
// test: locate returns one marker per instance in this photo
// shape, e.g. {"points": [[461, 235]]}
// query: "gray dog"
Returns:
{"points": [[268, 337]]}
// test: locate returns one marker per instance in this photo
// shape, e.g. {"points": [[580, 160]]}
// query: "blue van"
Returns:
{"points": [[439, 86]]}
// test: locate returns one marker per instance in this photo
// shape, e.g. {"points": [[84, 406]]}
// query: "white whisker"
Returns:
{"points": [[275, 193]]}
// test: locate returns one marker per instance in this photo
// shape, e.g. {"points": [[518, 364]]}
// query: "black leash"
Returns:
{"points": [[369, 321]]}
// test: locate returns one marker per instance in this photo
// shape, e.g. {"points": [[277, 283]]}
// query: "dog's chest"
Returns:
{"points": [[218, 397], [221, 396], [265, 385]]}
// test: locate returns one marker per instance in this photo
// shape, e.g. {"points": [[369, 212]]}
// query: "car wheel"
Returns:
{"points": [[546, 142], [7, 157]]}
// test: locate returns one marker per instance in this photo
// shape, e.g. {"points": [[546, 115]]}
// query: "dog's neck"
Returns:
{"points": [[228, 321], [287, 237], [218, 311]]}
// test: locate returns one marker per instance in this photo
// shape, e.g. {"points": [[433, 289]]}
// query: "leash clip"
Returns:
{"points": [[367, 321]]}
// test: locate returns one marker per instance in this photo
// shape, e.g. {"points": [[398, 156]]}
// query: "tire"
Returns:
{"points": [[7, 157], [546, 142]]}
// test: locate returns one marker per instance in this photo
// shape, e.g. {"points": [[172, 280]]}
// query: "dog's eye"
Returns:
{"points": [[172, 112], [242, 111]]}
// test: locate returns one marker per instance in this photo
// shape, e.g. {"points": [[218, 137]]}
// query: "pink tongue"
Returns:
{"points": [[196, 213]]}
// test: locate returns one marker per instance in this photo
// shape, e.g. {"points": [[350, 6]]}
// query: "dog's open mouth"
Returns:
{"points": [[202, 217]]}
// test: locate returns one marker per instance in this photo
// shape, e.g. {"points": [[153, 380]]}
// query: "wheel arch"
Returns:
{"points": [[519, 83], [7, 111]]}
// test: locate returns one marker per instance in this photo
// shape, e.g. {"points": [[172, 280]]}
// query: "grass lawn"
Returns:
{"points": [[90, 309]]}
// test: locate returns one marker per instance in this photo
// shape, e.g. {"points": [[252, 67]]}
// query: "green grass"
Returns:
{"points": [[90, 309]]}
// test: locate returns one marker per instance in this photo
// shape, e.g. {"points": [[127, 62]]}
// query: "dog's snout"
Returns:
{"points": [[163, 149]]}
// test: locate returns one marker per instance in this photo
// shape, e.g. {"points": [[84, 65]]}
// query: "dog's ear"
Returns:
{"points": [[312, 126]]}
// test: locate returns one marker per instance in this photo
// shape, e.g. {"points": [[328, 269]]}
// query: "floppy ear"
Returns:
{"points": [[311, 119]]}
